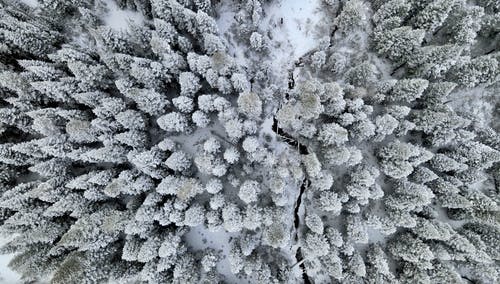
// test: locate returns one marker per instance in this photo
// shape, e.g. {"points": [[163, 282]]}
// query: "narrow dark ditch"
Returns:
{"points": [[305, 183], [298, 254], [288, 138]]}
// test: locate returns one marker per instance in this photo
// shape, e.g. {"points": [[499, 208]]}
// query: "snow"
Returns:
{"points": [[296, 35], [268, 137], [225, 18], [119, 19], [288, 41], [199, 238], [475, 103], [225, 21], [7, 276], [31, 3]]}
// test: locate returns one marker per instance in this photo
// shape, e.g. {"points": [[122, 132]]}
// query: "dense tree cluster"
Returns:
{"points": [[117, 146]]}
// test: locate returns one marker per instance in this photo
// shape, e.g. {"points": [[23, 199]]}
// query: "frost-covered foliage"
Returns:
{"points": [[378, 161]]}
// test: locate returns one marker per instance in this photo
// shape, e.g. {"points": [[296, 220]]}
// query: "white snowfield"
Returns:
{"points": [[31, 3], [7, 276], [119, 19], [294, 27]]}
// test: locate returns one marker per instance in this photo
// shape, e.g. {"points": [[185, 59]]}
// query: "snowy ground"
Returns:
{"points": [[295, 35], [7, 276], [291, 25], [31, 3], [119, 19], [199, 238]]}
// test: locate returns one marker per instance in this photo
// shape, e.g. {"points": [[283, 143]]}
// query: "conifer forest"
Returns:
{"points": [[250, 141]]}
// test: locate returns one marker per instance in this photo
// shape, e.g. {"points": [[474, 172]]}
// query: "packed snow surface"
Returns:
{"points": [[295, 22], [31, 3], [119, 19], [7, 276]]}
